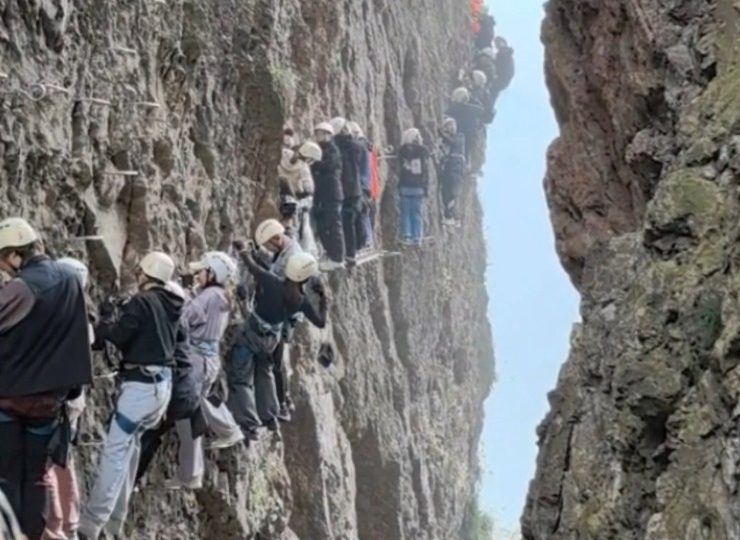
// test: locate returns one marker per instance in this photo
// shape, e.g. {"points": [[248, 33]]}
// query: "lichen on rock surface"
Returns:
{"points": [[166, 134], [641, 441]]}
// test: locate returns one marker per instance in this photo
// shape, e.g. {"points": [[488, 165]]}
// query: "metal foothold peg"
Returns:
{"points": [[91, 237], [122, 173], [124, 50], [55, 88], [3, 75], [94, 101], [148, 104]]}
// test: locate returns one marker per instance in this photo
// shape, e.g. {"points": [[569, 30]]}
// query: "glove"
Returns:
{"points": [[107, 309]]}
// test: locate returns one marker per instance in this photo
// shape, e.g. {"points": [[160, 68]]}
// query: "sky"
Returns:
{"points": [[533, 305]]}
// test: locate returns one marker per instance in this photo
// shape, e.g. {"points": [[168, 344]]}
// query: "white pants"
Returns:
{"points": [[140, 407]]}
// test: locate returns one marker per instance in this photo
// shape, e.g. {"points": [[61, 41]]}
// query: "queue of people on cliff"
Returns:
{"points": [[169, 334]]}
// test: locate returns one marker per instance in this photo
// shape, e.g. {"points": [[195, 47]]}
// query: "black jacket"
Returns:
{"points": [[48, 351], [414, 162], [488, 66], [504, 69], [146, 333], [485, 35], [327, 174], [468, 117], [350, 151]]}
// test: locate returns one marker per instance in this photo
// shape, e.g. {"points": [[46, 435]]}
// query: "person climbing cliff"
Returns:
{"points": [[468, 117], [146, 335], [252, 392], [413, 185], [363, 224], [329, 198], [63, 507], [451, 168], [295, 168], [206, 316], [45, 352], [504, 67], [481, 94], [486, 30], [485, 61], [352, 206]]}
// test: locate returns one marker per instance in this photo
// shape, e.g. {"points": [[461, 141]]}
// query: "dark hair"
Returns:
{"points": [[24, 252]]}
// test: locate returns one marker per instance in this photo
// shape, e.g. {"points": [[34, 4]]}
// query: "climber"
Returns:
{"points": [[146, 335], [63, 506], [413, 185], [451, 168], [206, 318], [481, 95], [486, 31], [45, 360], [350, 151], [270, 237], [504, 67], [485, 61], [252, 392], [468, 117], [328, 197], [295, 168], [363, 225]]}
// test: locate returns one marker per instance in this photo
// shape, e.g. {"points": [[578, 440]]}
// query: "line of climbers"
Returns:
{"points": [[168, 338]]}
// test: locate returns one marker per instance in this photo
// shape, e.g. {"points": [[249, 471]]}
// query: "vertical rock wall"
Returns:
{"points": [[641, 441], [166, 134]]}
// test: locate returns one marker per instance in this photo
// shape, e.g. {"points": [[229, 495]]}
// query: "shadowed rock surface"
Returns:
{"points": [[641, 441], [384, 444]]}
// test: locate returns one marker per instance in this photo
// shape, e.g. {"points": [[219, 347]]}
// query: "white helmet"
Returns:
{"points": [[158, 265], [16, 232], [411, 136], [301, 266], [489, 52], [325, 126], [460, 95], [479, 78], [310, 150], [270, 228], [355, 129], [219, 263], [339, 124], [449, 125], [78, 267]]}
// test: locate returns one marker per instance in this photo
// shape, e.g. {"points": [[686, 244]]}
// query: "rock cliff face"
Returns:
{"points": [[642, 440], [157, 125]]}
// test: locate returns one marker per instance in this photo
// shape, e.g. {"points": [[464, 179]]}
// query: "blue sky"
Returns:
{"points": [[533, 304]]}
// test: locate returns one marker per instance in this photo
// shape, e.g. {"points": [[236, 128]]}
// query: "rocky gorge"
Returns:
{"points": [[132, 125], [642, 441]]}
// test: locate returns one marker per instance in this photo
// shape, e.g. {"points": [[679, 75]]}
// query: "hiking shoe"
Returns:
{"points": [[176, 483], [284, 414], [350, 262], [220, 444]]}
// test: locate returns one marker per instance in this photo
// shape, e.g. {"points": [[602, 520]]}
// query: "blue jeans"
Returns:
{"points": [[412, 219]]}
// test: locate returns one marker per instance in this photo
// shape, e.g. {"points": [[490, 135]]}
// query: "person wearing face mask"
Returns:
{"points": [[44, 361], [146, 334]]}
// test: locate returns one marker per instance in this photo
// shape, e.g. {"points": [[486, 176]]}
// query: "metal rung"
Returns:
{"points": [[86, 238], [122, 173], [148, 104], [3, 75], [111, 375], [95, 101], [56, 88], [124, 50]]}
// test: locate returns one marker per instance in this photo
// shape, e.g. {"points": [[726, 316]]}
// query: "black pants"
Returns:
{"points": [[451, 178], [350, 216], [151, 440], [328, 218], [280, 370], [23, 461]]}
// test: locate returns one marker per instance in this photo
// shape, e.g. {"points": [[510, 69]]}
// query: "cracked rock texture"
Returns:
{"points": [[158, 125], [642, 438]]}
